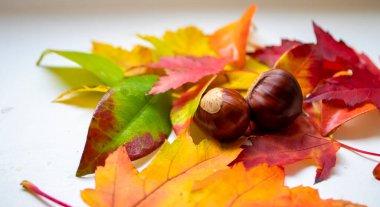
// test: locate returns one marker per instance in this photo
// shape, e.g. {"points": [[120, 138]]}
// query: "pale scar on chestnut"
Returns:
{"points": [[212, 101]]}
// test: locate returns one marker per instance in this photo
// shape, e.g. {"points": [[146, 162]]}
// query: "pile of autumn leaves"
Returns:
{"points": [[151, 90]]}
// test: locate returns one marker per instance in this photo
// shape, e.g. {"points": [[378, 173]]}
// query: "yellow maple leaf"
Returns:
{"points": [[255, 65], [236, 79], [167, 181], [131, 61], [185, 41]]}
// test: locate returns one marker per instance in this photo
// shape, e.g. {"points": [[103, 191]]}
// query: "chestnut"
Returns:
{"points": [[223, 113], [275, 100]]}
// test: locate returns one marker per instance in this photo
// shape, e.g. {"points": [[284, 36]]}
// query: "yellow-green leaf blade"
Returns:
{"points": [[99, 88], [103, 68], [127, 116]]}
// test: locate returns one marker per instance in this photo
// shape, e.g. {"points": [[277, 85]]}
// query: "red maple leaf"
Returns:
{"points": [[269, 55], [361, 87], [376, 172], [183, 70], [299, 141], [336, 54], [311, 64]]}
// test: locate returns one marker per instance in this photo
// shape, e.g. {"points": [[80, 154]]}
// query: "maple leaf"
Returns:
{"points": [[336, 54], [167, 181], [325, 64], [188, 41], [334, 115], [301, 140], [126, 116], [376, 172], [183, 70], [230, 41], [139, 55], [306, 196], [260, 186], [360, 87], [128, 60], [269, 55], [236, 79], [255, 65], [304, 64], [185, 107], [313, 63]]}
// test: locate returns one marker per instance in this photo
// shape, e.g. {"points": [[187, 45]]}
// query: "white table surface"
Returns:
{"points": [[42, 141]]}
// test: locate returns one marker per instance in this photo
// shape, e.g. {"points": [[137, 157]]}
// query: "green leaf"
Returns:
{"points": [[106, 70], [127, 116]]}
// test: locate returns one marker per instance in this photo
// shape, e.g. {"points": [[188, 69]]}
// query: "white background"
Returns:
{"points": [[42, 141]]}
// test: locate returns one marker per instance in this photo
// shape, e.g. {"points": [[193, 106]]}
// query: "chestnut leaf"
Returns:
{"points": [[83, 89], [104, 69], [127, 116]]}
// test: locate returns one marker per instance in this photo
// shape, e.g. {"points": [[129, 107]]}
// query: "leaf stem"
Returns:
{"points": [[35, 190], [358, 150], [42, 57]]}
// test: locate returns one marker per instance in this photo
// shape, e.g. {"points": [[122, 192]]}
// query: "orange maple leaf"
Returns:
{"points": [[334, 115], [230, 41], [185, 174], [172, 172], [260, 186]]}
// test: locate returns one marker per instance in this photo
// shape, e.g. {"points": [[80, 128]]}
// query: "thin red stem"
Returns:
{"points": [[35, 190], [358, 150], [348, 147]]}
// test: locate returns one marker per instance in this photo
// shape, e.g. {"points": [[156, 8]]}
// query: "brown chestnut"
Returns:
{"points": [[223, 113], [275, 100]]}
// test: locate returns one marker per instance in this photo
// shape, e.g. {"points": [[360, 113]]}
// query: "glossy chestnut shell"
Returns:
{"points": [[275, 100], [223, 113]]}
